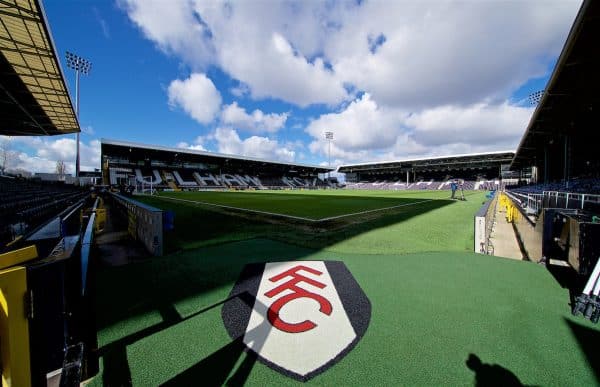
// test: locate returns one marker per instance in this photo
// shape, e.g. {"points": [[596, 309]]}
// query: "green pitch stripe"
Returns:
{"points": [[292, 216]]}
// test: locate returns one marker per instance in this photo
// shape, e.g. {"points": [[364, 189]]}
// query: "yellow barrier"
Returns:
{"points": [[512, 212], [16, 257], [14, 330], [100, 220]]}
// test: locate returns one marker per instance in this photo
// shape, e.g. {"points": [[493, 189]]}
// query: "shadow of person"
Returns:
{"points": [[491, 374]]}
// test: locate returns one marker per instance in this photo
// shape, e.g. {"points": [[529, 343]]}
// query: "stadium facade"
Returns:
{"points": [[134, 164]]}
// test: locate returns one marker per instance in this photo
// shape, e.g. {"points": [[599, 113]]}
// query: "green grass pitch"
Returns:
{"points": [[313, 205], [434, 302]]}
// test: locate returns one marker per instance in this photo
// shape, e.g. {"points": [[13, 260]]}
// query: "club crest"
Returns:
{"points": [[298, 317]]}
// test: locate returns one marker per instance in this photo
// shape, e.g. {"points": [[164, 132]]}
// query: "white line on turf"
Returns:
{"points": [[375, 210], [292, 216]]}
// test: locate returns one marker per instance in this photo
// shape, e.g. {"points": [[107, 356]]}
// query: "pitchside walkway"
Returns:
{"points": [[503, 237], [116, 248]]}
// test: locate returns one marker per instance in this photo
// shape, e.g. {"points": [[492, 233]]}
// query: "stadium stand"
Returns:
{"points": [[424, 185], [478, 171], [148, 167], [26, 203], [576, 185]]}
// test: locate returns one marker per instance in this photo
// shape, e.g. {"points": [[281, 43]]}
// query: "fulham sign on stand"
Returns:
{"points": [[298, 317]]}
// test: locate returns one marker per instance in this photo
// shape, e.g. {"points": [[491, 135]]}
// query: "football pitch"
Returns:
{"points": [[310, 204], [434, 303]]}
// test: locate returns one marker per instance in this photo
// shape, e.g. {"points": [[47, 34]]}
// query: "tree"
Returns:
{"points": [[61, 168], [7, 156]]}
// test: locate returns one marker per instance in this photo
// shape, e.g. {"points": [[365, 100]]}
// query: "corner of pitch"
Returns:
{"points": [[299, 317]]}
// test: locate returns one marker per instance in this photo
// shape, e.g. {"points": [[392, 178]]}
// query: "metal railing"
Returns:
{"points": [[533, 203], [530, 202], [554, 199]]}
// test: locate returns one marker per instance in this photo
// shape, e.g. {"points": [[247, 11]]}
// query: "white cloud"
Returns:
{"points": [[478, 124], [361, 125], [185, 145], [197, 96], [273, 48], [240, 91], [427, 54], [233, 115], [175, 28], [291, 76], [228, 141], [441, 53], [47, 151], [433, 77], [102, 22], [89, 130], [199, 143], [365, 131]]}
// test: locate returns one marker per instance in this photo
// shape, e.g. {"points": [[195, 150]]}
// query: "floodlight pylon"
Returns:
{"points": [[83, 66]]}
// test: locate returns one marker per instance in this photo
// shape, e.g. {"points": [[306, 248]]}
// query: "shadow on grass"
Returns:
{"points": [[212, 370], [198, 225], [139, 287], [589, 342], [487, 375], [157, 284]]}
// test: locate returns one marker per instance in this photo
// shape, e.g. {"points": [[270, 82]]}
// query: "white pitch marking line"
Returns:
{"points": [[238, 208], [376, 209], [292, 216]]}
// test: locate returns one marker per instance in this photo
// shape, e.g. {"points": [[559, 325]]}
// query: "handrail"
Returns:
{"points": [[86, 244]]}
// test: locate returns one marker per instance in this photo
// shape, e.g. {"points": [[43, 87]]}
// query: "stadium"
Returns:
{"points": [[178, 266]]}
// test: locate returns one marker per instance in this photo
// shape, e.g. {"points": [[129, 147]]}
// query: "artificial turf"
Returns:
{"points": [[433, 304]]}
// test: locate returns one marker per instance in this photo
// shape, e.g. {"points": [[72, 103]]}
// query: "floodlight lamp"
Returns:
{"points": [[78, 63], [535, 97]]}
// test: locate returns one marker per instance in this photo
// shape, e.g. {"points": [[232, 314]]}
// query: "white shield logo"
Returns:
{"points": [[298, 317]]}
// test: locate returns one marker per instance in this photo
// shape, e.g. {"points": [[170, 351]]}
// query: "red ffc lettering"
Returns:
{"points": [[297, 292]]}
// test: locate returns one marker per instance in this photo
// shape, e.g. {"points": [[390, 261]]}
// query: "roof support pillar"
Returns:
{"points": [[566, 160], [545, 163]]}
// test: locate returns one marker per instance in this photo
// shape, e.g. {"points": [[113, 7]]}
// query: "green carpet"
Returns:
{"points": [[430, 311]]}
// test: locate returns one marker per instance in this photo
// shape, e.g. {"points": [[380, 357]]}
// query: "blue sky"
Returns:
{"points": [[267, 79]]}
